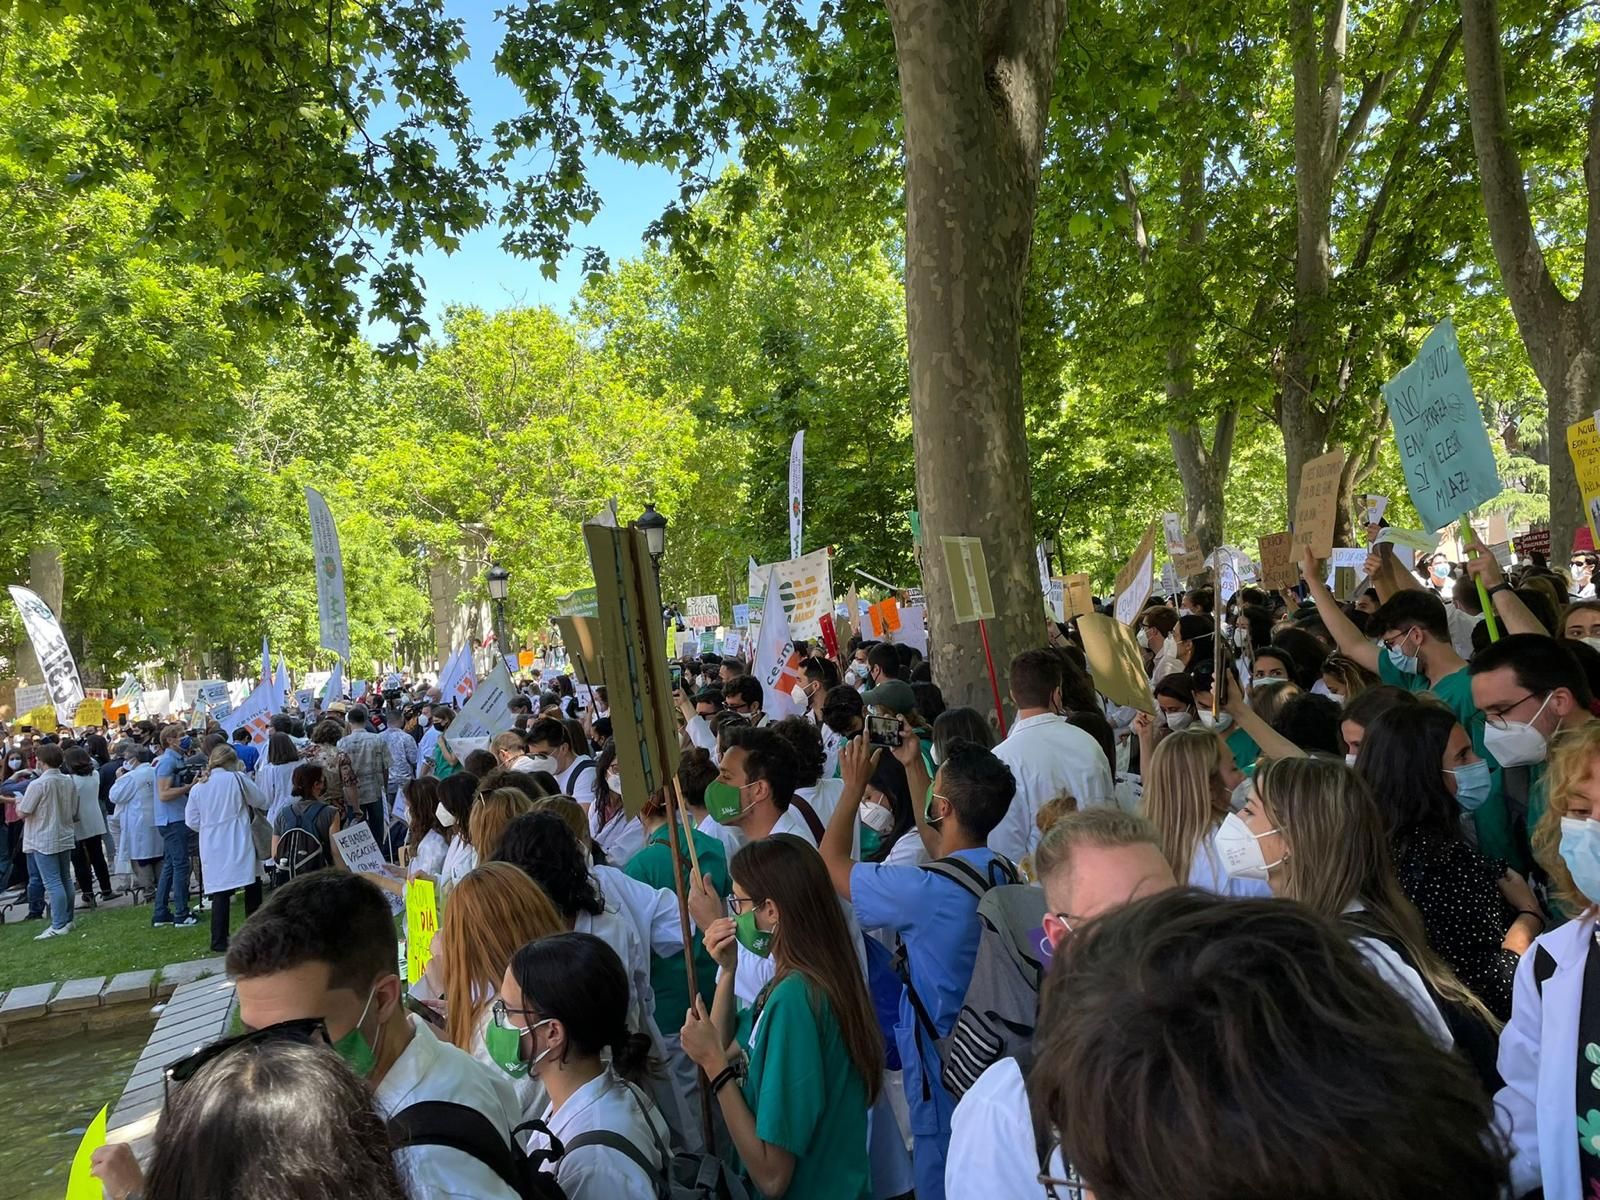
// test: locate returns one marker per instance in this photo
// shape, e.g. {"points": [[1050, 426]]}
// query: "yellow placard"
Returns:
{"points": [[42, 718], [80, 1184], [969, 578], [1583, 444], [90, 712], [422, 924]]}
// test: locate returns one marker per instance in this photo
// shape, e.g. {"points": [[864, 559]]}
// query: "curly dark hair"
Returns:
{"points": [[542, 845]]}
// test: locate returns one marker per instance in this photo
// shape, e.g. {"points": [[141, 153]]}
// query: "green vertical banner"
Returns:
{"points": [[914, 519]]}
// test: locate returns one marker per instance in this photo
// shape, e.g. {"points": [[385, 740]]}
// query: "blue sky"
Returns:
{"points": [[480, 272]]}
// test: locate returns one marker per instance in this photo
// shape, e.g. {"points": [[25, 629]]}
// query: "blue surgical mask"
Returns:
{"points": [[1580, 850], [1472, 785], [1399, 659]]}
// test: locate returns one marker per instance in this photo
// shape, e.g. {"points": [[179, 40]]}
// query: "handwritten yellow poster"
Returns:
{"points": [[1583, 443], [422, 924]]}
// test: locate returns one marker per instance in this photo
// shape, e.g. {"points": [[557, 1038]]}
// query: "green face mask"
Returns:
{"points": [[870, 841], [354, 1048], [505, 1048], [757, 941], [725, 802]]}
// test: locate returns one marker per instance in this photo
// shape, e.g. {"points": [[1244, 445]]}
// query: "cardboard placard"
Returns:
{"points": [[1136, 578], [422, 926], [702, 612], [91, 712], [1278, 569], [1317, 505], [1189, 563], [969, 578], [1115, 663], [1438, 426], [581, 637]]}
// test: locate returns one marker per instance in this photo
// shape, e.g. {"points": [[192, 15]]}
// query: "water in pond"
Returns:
{"points": [[53, 1089]]}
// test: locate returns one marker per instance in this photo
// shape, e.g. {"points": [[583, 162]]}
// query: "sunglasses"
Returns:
{"points": [[304, 1029]]}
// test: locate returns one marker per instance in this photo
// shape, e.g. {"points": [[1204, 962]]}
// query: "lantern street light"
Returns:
{"points": [[499, 581]]}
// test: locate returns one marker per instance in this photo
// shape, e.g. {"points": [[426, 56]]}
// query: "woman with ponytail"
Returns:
{"points": [[795, 1101], [563, 1005]]}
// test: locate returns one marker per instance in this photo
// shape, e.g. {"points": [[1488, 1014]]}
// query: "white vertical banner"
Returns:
{"points": [[335, 686], [55, 656], [331, 615], [280, 685], [797, 466], [457, 679]]}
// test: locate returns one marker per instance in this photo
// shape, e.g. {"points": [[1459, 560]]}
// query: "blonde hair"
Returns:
{"points": [[1104, 827], [222, 758], [1183, 793], [1572, 755], [1336, 854], [509, 740], [1352, 676], [494, 911], [490, 816]]}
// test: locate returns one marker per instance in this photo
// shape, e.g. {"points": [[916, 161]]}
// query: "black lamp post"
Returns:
{"points": [[499, 581], [655, 537]]}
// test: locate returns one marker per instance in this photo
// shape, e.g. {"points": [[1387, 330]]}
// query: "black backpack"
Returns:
{"points": [[443, 1123], [300, 847]]}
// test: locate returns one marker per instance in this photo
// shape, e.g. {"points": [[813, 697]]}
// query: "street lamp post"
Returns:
{"points": [[655, 541], [499, 581], [1050, 554], [394, 647]]}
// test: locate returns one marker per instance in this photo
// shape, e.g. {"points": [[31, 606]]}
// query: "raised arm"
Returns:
{"points": [[1352, 643], [1508, 606]]}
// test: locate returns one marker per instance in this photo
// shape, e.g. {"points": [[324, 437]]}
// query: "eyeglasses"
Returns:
{"points": [[304, 1029], [1070, 1188], [1498, 719], [737, 906], [502, 1011]]}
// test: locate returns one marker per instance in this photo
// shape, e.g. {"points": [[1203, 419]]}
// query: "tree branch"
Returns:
{"points": [[1372, 92]]}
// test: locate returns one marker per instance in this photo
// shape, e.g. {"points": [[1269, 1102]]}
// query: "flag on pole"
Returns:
{"points": [[50, 647], [333, 620], [776, 662], [457, 679], [266, 661], [797, 455], [334, 689], [280, 686]]}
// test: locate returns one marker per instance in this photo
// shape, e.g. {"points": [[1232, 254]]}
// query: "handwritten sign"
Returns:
{"points": [[422, 925], [90, 712], [358, 849], [1318, 503], [1136, 578], [1278, 570], [741, 616], [31, 696], [1583, 444], [1172, 526], [1438, 426], [703, 612]]}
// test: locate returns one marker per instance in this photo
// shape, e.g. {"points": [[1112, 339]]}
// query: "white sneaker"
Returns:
{"points": [[52, 933]]}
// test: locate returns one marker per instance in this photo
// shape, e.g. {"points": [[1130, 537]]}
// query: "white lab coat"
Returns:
{"points": [[276, 781], [133, 795], [216, 810], [91, 822], [1539, 1061], [1048, 758], [600, 1172]]}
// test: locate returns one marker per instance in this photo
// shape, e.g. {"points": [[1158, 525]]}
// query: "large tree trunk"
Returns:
{"points": [[975, 83], [1203, 470], [1562, 336], [44, 579]]}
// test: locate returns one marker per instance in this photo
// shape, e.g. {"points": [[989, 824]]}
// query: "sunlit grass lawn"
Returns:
{"points": [[103, 941]]}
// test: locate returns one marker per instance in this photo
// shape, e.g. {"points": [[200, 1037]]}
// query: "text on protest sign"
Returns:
{"points": [[51, 649], [489, 710], [422, 925], [1278, 570], [1438, 426], [31, 696], [359, 850], [1583, 444], [805, 585], [1317, 505]]}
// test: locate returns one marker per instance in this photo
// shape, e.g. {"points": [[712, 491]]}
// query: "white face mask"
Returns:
{"points": [[1241, 638], [614, 782], [1177, 720], [1350, 760], [1592, 642], [1220, 721], [544, 762], [1241, 850], [877, 818], [1143, 638], [1519, 744], [798, 695], [445, 817]]}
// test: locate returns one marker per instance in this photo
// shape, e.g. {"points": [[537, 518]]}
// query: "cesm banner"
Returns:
{"points": [[805, 586], [50, 648]]}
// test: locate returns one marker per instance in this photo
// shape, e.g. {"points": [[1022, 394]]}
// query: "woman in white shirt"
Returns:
{"points": [[457, 795], [1312, 831], [133, 802], [1188, 785], [275, 774], [495, 909], [564, 1005], [614, 831], [219, 809], [89, 855], [426, 844]]}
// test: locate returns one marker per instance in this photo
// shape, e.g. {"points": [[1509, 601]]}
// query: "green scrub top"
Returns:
{"points": [[806, 1094], [1244, 749], [653, 865]]}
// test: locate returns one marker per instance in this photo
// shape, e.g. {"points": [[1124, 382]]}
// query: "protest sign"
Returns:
{"points": [[42, 718], [741, 616], [969, 578], [333, 621], [360, 852], [703, 612], [1114, 662], [582, 603], [830, 635], [1411, 539], [1535, 541], [302, 699], [708, 641], [889, 610], [776, 663], [1189, 563], [1317, 505], [1136, 578], [732, 644], [1345, 566], [1375, 507], [1169, 579], [1278, 570], [1055, 600], [31, 696], [913, 629], [1438, 426], [1043, 560], [56, 663], [422, 924], [90, 712], [1080, 595], [642, 723], [488, 712], [1583, 444], [81, 1182], [806, 587], [213, 694], [1502, 554]]}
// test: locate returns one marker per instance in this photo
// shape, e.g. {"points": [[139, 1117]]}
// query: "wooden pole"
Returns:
{"points": [[676, 831]]}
